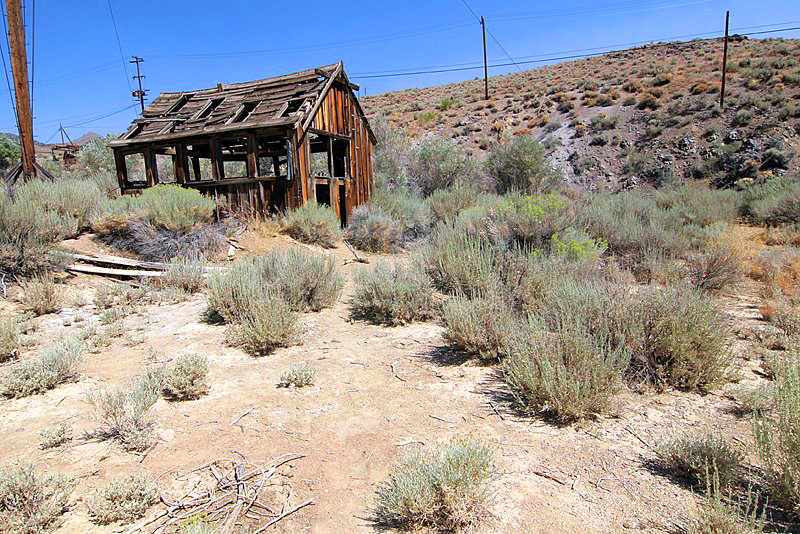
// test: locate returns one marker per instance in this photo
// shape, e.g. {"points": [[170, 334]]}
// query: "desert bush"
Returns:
{"points": [[373, 230], [778, 436], [459, 262], [266, 324], [684, 342], [443, 488], [188, 378], [391, 155], [299, 375], [480, 325], [70, 199], [724, 513], [124, 412], [54, 436], [31, 502], [569, 373], [162, 222], [576, 245], [9, 338], [779, 270], [56, 366], [125, 499], [119, 295], [697, 206], [26, 234], [774, 202], [522, 166], [409, 210], [717, 269], [694, 458], [449, 202], [392, 295], [314, 224], [306, 281], [438, 164], [529, 220], [41, 295], [185, 274], [97, 156]]}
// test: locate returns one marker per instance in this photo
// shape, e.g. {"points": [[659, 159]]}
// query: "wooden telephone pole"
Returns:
{"points": [[19, 67], [724, 61], [485, 63], [141, 93]]}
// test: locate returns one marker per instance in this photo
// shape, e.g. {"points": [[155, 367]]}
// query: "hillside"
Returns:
{"points": [[644, 115]]}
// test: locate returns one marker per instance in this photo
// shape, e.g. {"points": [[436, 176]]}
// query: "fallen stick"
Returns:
{"points": [[355, 254], [242, 416], [284, 514]]}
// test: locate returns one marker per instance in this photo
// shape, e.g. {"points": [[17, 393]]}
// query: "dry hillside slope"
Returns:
{"points": [[644, 115]]}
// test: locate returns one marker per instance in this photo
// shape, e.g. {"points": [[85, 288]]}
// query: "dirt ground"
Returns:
{"points": [[378, 392]]}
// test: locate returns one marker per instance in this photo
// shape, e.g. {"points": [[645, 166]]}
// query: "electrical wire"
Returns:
{"points": [[101, 117], [545, 60], [121, 54], [479, 19]]}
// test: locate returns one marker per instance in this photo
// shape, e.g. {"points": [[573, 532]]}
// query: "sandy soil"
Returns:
{"points": [[378, 391]]}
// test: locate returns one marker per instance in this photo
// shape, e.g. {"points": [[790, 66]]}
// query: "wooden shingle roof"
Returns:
{"points": [[277, 101]]}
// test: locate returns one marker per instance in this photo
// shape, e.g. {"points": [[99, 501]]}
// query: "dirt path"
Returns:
{"points": [[379, 391]]}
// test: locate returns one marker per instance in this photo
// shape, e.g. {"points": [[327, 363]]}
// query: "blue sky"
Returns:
{"points": [[79, 75]]}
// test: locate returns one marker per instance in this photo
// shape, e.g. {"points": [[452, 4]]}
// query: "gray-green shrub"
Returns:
{"points": [[443, 488], [54, 436], [775, 202], [459, 262], [778, 434], [187, 379], [529, 220], [436, 164], [266, 324], [570, 373], [409, 210], [685, 340], [480, 325], [9, 338], [521, 165], [392, 295], [373, 230], [124, 412], [695, 458], [299, 375], [124, 499], [449, 202], [41, 295], [161, 223], [314, 224], [31, 502], [185, 274], [306, 281], [56, 366]]}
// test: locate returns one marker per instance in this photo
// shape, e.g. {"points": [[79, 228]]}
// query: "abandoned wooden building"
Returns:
{"points": [[261, 146]]}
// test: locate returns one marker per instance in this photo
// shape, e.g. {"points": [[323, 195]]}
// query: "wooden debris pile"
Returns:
{"points": [[238, 495]]}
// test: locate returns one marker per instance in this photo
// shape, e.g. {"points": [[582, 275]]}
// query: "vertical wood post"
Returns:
{"points": [[485, 63], [122, 170], [181, 163], [252, 156], [724, 61], [19, 67]]}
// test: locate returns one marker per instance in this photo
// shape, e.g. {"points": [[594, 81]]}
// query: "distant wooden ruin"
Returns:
{"points": [[260, 146]]}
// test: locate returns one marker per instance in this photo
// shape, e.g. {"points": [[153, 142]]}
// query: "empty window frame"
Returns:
{"points": [[199, 164], [178, 105], [234, 157], [135, 169], [272, 159], [320, 155], [164, 172]]}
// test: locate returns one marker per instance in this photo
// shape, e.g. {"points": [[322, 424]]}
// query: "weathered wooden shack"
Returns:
{"points": [[260, 146]]}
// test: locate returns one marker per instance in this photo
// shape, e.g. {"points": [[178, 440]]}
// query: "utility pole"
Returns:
{"points": [[61, 130], [19, 67], [141, 92], [485, 63], [724, 61]]}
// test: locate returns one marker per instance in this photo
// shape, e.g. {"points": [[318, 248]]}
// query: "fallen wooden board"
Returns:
{"points": [[119, 261], [105, 271]]}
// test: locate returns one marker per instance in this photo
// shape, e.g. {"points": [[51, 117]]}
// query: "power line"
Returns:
{"points": [[602, 9], [490, 33], [545, 60], [102, 116], [121, 54]]}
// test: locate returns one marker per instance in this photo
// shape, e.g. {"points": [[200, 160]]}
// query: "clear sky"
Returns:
{"points": [[79, 75]]}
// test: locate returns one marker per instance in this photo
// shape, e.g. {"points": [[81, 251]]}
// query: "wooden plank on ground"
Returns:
{"points": [[119, 273], [119, 262]]}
